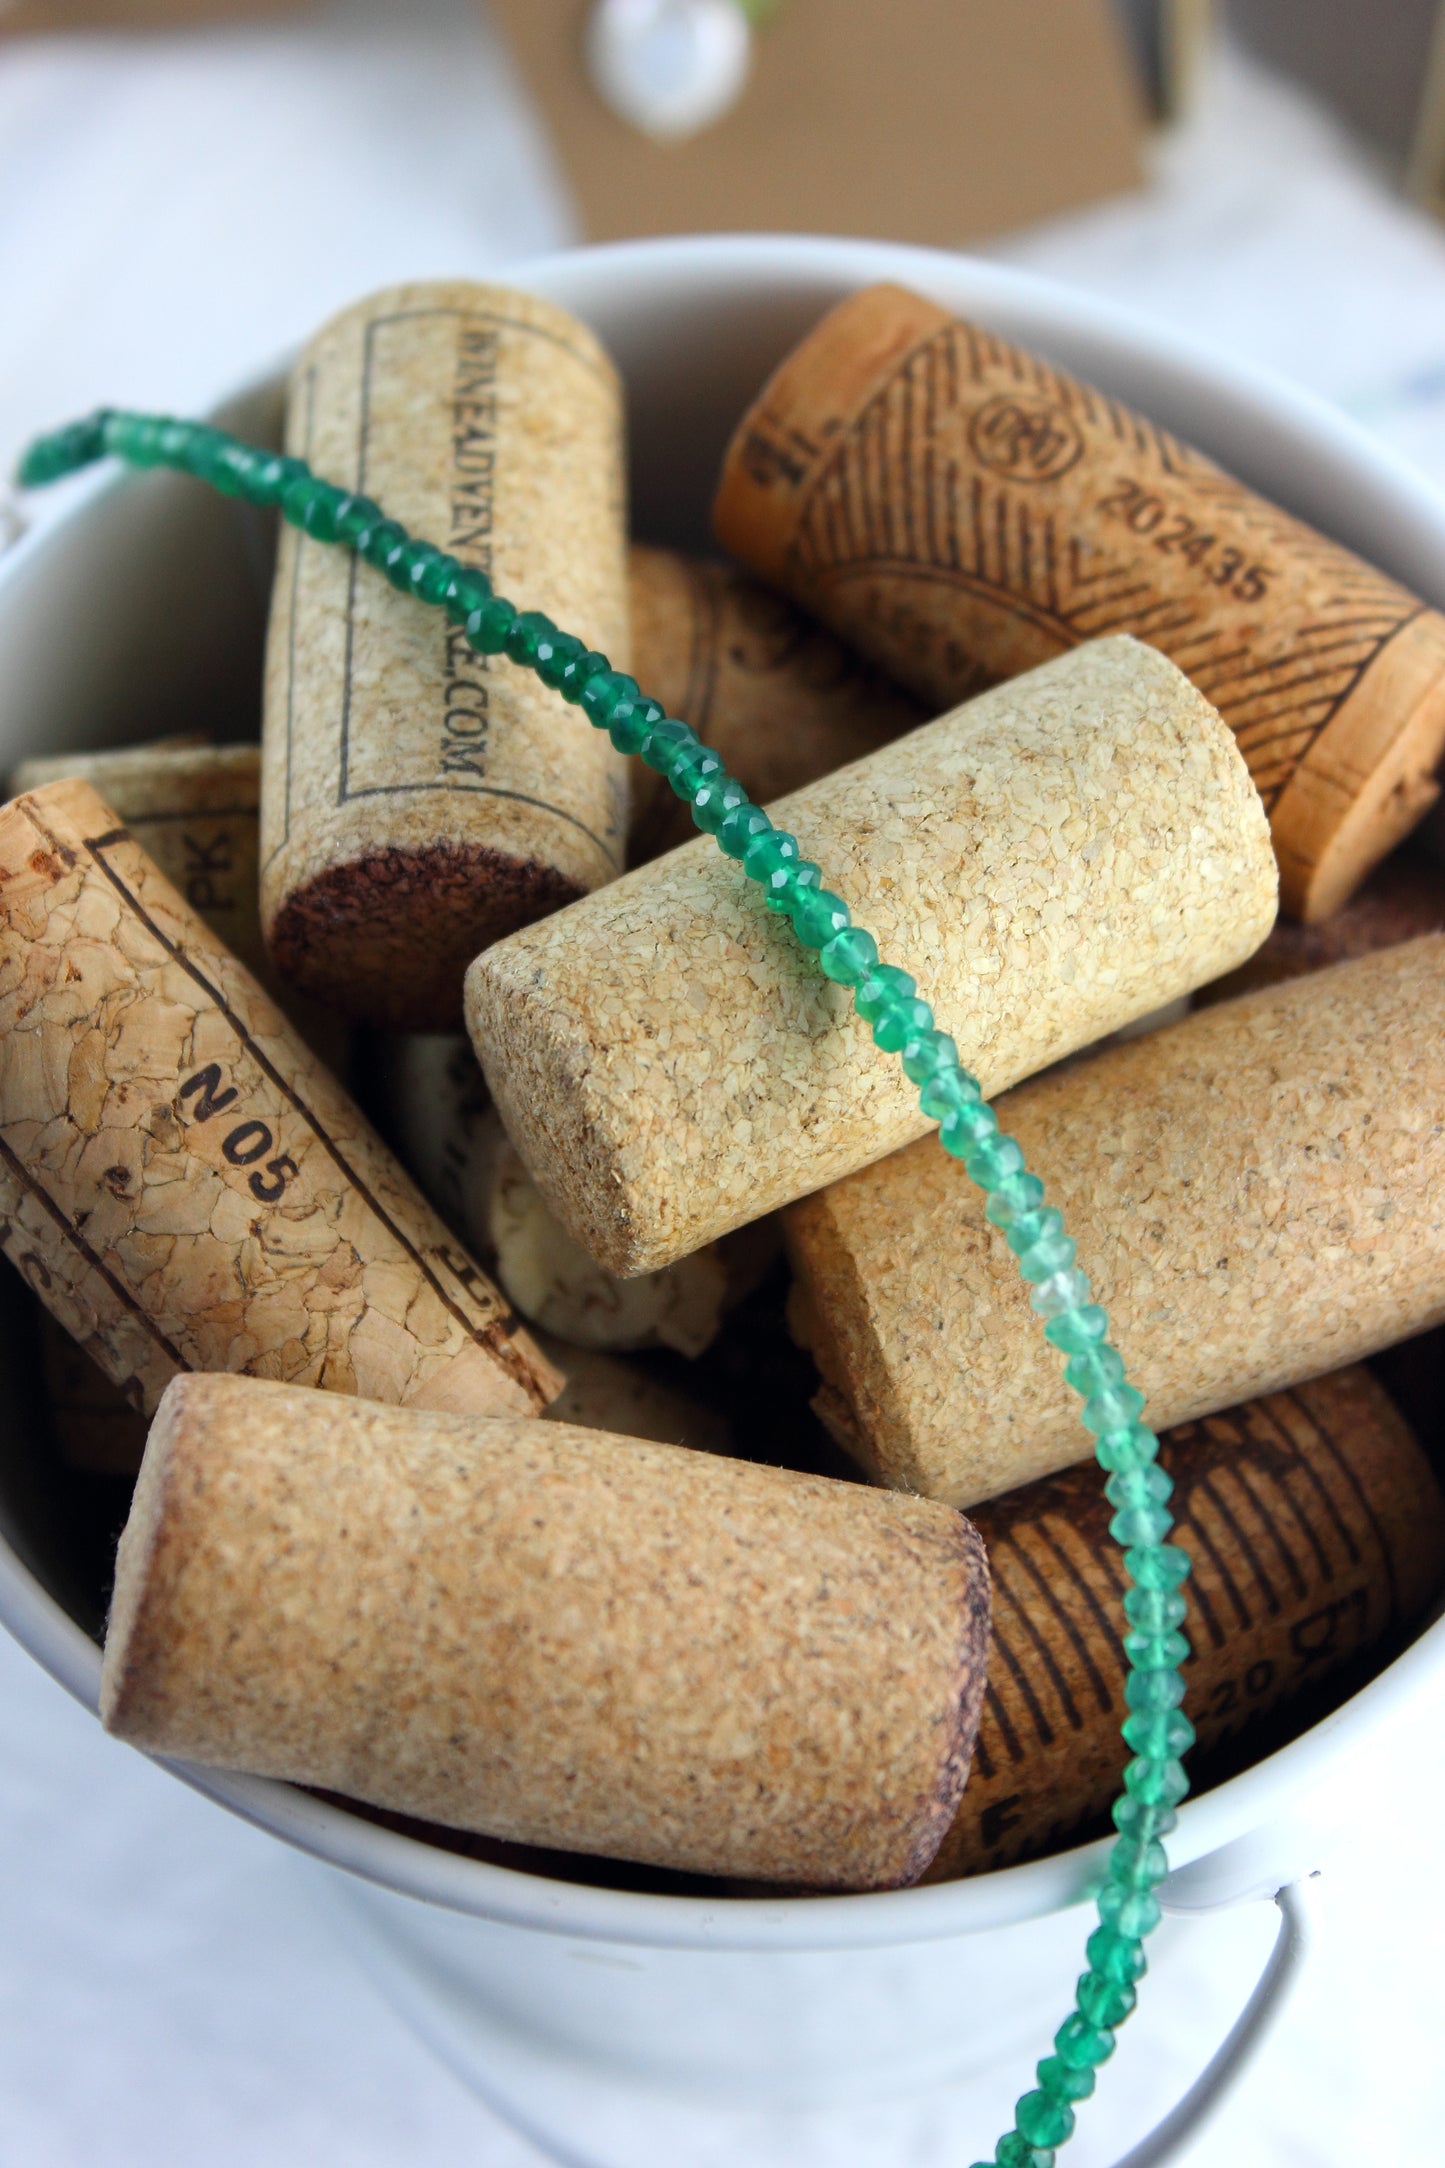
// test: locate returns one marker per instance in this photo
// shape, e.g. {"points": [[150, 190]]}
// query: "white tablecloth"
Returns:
{"points": [[172, 212]]}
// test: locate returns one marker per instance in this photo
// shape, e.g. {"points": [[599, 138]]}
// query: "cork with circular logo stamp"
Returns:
{"points": [[419, 799], [961, 510]]}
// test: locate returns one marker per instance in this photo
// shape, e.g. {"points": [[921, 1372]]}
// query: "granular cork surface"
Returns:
{"points": [[1257, 1194], [181, 1181], [420, 799], [1056, 858], [1316, 1529], [960, 511], [551, 1635]]}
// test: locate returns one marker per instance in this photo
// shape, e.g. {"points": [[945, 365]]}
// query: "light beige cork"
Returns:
{"points": [[451, 1137], [550, 1635], [195, 810], [1402, 899], [1257, 1194], [769, 689], [1316, 1529], [419, 799], [181, 1181], [606, 1392], [1056, 858], [959, 510]]}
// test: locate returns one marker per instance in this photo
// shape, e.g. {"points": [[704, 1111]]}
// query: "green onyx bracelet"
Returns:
{"points": [[1156, 1728]]}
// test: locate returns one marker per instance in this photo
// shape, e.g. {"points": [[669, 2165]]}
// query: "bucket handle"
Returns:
{"points": [[1298, 1933]]}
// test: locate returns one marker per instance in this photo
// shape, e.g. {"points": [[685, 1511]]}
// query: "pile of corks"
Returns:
{"points": [[479, 1484]]}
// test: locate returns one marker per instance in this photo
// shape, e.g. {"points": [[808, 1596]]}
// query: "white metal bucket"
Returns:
{"points": [[616, 2026]]}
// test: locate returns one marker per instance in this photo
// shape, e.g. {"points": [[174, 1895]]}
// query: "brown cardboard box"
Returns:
{"points": [[934, 122]]}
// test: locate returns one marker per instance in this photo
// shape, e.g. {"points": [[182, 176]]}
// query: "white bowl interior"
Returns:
{"points": [[142, 611]]}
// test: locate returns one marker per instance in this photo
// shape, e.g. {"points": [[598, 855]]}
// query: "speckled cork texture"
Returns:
{"points": [[419, 799], [195, 810], [451, 1137], [606, 1392], [181, 1181], [1257, 1193], [1056, 858], [768, 688], [1317, 1534], [959, 510], [550, 1635], [1403, 898]]}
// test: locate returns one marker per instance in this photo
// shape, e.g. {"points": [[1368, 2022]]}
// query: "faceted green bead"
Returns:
{"points": [[1061, 1291], [1133, 1445], [604, 693], [633, 722], [1157, 1734], [1133, 1818], [469, 589], [1115, 1406], [234, 467], [1147, 1486], [669, 743], [1090, 1372], [136, 438], [1016, 1199], [1137, 1863], [1157, 1783], [689, 775], [1133, 1912], [1138, 1524], [1157, 1565], [993, 1160], [1156, 1652], [1153, 1690], [716, 800], [487, 626], [356, 518], [381, 542], [556, 655], [1076, 1331], [906, 1018], [737, 832], [1155, 1610], [948, 1090], [1105, 2003], [849, 956], [66, 451], [1061, 2082], [1115, 1956], [818, 915], [578, 671], [1051, 1254], [771, 860], [1043, 2121], [1024, 1229], [804, 874], [531, 631], [1017, 2151], [1081, 2043], [964, 1129], [926, 1053], [432, 573], [410, 562], [882, 990], [322, 515]]}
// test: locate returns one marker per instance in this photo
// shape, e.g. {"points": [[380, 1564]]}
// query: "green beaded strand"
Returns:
{"points": [[886, 998]]}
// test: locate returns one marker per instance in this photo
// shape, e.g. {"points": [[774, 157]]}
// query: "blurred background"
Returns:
{"points": [[186, 189]]}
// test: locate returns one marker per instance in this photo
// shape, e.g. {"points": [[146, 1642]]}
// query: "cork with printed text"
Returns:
{"points": [[960, 510], [419, 799], [181, 1181]]}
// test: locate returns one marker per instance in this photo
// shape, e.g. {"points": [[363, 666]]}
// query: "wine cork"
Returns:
{"points": [[1316, 1529], [550, 1635], [181, 1182], [960, 511], [605, 1392], [774, 694], [1061, 855], [451, 1137], [1403, 898], [195, 810], [1257, 1194], [420, 799]]}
